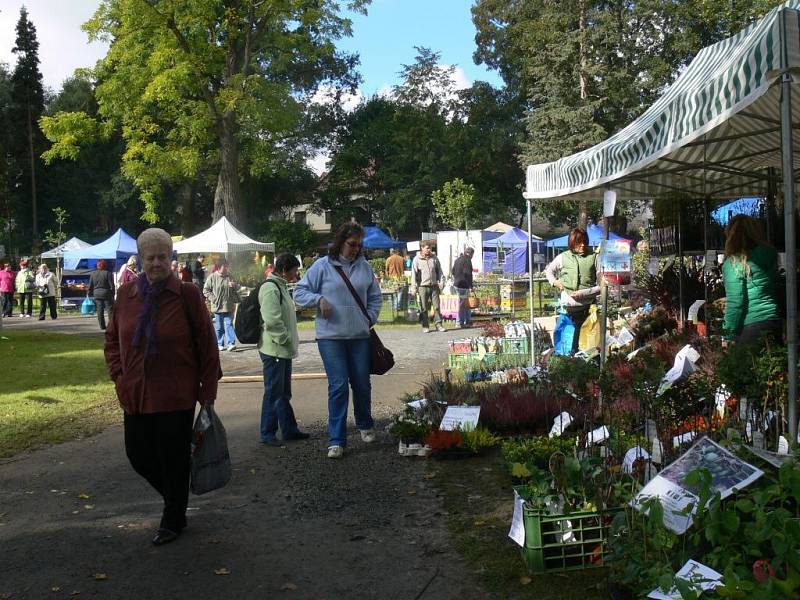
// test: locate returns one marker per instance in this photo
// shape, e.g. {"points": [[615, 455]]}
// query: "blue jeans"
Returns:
{"points": [[464, 314], [276, 409], [347, 362], [223, 323]]}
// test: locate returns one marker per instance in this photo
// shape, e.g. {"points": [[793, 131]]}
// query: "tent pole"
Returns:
{"points": [[706, 266], [681, 320], [530, 284], [791, 251]]}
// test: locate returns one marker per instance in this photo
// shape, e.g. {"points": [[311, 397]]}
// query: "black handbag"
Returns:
{"points": [[381, 358]]}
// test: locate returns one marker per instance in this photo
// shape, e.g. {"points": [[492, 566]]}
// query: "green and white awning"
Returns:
{"points": [[713, 132]]}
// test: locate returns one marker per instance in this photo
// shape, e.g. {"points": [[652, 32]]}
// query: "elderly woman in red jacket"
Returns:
{"points": [[162, 355]]}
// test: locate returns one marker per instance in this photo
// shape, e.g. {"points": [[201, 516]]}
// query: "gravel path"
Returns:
{"points": [[75, 521]]}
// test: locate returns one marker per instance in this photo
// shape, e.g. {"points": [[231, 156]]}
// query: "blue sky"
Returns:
{"points": [[385, 39]]}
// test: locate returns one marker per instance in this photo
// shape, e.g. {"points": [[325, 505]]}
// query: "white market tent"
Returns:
{"points": [[68, 246], [723, 129], [221, 237]]}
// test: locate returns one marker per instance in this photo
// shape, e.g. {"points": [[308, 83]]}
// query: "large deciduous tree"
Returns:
{"points": [[226, 83], [25, 107]]}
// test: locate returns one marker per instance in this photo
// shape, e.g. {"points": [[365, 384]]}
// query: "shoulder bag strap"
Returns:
{"points": [[275, 283], [353, 291]]}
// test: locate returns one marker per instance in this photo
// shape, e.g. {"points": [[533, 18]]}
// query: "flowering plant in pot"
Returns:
{"points": [[409, 427]]}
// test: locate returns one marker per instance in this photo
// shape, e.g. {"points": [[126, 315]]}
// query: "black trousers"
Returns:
{"points": [[578, 317], [8, 303], [158, 446], [22, 298], [100, 305], [51, 302], [764, 331]]}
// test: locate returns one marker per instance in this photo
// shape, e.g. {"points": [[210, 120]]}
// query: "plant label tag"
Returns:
{"points": [[560, 423], [783, 445], [700, 577], [658, 452], [625, 336], [459, 417], [631, 456], [517, 531], [758, 440], [682, 439], [597, 436], [694, 310]]}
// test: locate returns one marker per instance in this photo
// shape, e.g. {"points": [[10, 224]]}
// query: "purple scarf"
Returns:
{"points": [[146, 322]]}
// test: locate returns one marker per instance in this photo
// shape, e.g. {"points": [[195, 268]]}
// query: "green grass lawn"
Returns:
{"points": [[55, 388]]}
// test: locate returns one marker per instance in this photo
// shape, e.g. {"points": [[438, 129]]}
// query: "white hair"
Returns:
{"points": [[153, 237]]}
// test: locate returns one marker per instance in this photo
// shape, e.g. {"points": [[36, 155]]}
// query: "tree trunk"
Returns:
{"points": [[583, 210], [583, 214], [32, 155], [228, 195], [186, 196]]}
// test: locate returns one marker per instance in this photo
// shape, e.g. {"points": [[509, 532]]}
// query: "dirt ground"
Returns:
{"points": [[75, 521]]}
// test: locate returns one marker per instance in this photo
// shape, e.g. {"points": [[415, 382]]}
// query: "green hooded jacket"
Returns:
{"points": [[578, 272], [751, 298], [279, 336]]}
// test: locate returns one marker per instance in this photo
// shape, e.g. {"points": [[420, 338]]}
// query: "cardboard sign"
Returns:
{"points": [[456, 417], [615, 261]]}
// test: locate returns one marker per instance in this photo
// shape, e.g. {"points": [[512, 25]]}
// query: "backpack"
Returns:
{"points": [[248, 324]]}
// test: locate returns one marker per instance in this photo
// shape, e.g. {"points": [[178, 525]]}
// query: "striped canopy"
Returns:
{"points": [[712, 133]]}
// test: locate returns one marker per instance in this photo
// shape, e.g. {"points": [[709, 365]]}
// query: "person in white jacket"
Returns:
{"points": [[46, 286]]}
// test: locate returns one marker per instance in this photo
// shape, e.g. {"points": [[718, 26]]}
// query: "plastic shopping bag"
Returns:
{"points": [[211, 462], [563, 335], [87, 307], [590, 331]]}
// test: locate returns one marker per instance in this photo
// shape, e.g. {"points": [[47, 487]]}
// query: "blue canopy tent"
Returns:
{"points": [[595, 237], [511, 250], [375, 237], [117, 248], [742, 206]]}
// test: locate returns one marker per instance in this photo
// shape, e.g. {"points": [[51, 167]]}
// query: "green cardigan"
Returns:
{"points": [[750, 299], [279, 337]]}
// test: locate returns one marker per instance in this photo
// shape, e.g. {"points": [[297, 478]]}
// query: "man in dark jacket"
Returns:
{"points": [[198, 273], [462, 280], [101, 288]]}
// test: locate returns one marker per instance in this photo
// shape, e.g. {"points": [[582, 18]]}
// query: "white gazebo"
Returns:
{"points": [[223, 238]]}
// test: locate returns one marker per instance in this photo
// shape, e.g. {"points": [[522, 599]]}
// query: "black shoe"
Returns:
{"points": [[273, 443], [41, 318], [296, 435], [165, 536]]}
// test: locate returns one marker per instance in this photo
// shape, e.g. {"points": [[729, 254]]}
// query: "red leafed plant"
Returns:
{"points": [[520, 407], [494, 329], [763, 571], [444, 440]]}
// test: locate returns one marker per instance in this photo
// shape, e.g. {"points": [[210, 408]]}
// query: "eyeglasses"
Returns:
{"points": [[355, 244]]}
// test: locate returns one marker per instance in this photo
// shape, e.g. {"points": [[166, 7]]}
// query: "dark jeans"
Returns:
{"points": [[158, 446], [7, 303], [276, 409], [578, 317], [347, 362], [100, 305], [51, 302], [429, 296], [22, 298], [756, 334]]}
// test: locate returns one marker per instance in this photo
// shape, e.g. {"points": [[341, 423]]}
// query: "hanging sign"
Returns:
{"points": [[615, 261], [609, 202]]}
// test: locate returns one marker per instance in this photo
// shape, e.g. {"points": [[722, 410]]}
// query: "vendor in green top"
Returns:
{"points": [[575, 271], [750, 273]]}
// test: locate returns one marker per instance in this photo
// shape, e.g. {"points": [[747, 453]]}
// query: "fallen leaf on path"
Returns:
{"points": [[479, 523], [214, 541], [288, 587], [100, 576], [55, 588], [84, 496], [525, 580], [88, 506], [412, 492], [222, 571], [252, 471], [429, 475]]}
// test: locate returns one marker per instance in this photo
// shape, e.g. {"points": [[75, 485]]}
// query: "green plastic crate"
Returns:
{"points": [[570, 542], [457, 361], [520, 345]]}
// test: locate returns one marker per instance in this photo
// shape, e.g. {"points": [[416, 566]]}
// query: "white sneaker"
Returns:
{"points": [[21, 316], [232, 347], [440, 328], [220, 348], [335, 452], [367, 435], [425, 330]]}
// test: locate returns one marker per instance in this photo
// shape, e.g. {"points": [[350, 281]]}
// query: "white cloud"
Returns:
{"points": [[63, 46], [459, 78], [326, 95], [385, 91], [319, 162]]}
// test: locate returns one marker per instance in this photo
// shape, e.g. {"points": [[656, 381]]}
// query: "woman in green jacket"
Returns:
{"points": [[277, 347], [750, 273]]}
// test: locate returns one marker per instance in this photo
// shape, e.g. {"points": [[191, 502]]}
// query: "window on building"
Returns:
{"points": [[300, 216], [328, 217]]}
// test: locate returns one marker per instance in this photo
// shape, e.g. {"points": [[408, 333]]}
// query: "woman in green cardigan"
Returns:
{"points": [[750, 273]]}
